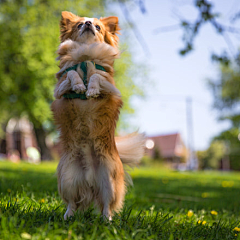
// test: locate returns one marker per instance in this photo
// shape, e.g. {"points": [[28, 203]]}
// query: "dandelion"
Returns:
{"points": [[224, 184], [25, 235], [227, 184], [9, 190], [204, 222], [236, 229], [213, 212], [190, 213], [42, 200], [205, 195], [199, 221]]}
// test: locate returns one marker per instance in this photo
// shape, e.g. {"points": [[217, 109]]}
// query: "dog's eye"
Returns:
{"points": [[80, 25], [98, 27]]}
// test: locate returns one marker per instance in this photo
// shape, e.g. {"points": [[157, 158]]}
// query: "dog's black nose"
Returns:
{"points": [[88, 23]]}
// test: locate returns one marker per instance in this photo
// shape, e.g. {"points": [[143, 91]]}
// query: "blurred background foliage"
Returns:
{"points": [[225, 88], [226, 92], [28, 42], [29, 39], [209, 159]]}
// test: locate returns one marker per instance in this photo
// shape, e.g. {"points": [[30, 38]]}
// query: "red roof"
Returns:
{"points": [[167, 144]]}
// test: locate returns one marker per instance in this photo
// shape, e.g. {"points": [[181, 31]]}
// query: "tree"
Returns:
{"points": [[231, 140], [225, 89], [28, 42], [227, 102], [226, 93], [210, 159], [206, 14]]}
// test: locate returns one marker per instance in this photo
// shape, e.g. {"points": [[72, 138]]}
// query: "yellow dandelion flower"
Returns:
{"points": [[224, 184], [213, 212], [42, 200], [25, 235], [235, 235], [205, 195], [199, 221], [204, 222], [190, 213], [227, 184], [236, 229], [9, 190]]}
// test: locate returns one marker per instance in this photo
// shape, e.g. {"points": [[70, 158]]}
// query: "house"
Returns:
{"points": [[169, 147], [19, 137], [20, 142]]}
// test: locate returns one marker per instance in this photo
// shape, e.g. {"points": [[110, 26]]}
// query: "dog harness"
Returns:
{"points": [[83, 67]]}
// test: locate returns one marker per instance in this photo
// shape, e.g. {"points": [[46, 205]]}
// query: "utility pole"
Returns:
{"points": [[192, 162]]}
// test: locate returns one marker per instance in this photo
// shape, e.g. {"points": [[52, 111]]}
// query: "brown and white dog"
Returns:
{"points": [[91, 165]]}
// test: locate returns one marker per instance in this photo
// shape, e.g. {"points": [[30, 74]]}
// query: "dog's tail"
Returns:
{"points": [[131, 150]]}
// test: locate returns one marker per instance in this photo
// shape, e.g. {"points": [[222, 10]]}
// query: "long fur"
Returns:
{"points": [[91, 165], [131, 148]]}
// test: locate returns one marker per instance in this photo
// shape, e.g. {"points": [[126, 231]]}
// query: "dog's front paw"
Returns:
{"points": [[92, 93], [57, 95], [79, 88]]}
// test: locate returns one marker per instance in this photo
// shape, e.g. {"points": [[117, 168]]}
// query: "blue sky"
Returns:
{"points": [[175, 77]]}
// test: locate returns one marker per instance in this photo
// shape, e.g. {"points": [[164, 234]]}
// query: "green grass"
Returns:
{"points": [[163, 204]]}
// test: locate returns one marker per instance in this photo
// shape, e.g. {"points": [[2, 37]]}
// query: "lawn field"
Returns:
{"points": [[163, 204]]}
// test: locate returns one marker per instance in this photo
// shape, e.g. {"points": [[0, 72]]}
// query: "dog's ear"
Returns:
{"points": [[111, 24], [66, 24], [112, 28]]}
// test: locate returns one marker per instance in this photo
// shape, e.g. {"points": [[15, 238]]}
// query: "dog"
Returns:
{"points": [[86, 109]]}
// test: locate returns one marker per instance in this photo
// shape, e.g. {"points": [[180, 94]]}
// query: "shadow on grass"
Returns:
{"points": [[134, 222], [172, 194], [34, 182], [186, 193]]}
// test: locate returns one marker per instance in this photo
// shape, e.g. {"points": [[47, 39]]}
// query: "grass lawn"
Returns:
{"points": [[163, 204]]}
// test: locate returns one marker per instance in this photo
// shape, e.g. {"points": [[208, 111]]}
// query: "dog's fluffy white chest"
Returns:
{"points": [[81, 171], [89, 164]]}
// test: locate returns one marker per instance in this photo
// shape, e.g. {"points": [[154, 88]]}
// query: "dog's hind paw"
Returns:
{"points": [[69, 213]]}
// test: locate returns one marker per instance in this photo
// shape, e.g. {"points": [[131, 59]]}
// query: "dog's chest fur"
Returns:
{"points": [[90, 122], [84, 166]]}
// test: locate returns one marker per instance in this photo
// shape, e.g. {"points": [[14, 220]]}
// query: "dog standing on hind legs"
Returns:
{"points": [[86, 110]]}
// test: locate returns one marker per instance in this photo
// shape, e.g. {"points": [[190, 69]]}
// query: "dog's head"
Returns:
{"points": [[89, 30]]}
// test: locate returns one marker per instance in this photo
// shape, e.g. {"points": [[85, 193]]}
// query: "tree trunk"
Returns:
{"points": [[41, 137]]}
